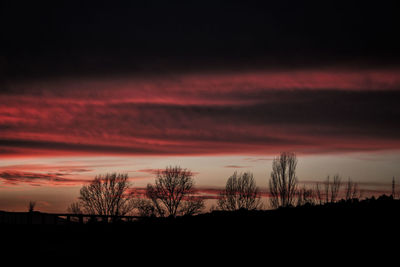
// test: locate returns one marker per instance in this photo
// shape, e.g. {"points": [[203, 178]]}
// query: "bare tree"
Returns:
{"points": [[352, 191], [305, 196], [145, 207], [31, 206], [75, 208], [173, 193], [107, 195], [330, 191], [192, 205], [335, 188], [318, 194], [283, 182], [241, 192], [326, 189], [393, 188]]}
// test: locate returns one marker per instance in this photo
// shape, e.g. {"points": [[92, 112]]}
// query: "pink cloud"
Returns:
{"points": [[12, 177], [257, 112]]}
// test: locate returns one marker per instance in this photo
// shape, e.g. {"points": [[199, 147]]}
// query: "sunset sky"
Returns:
{"points": [[88, 88]]}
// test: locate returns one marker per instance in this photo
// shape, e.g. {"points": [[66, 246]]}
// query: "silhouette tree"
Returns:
{"points": [[145, 208], [107, 195], [335, 188], [173, 193], [318, 194], [393, 188], [283, 182], [352, 191], [305, 196], [330, 190], [31, 206], [191, 206], [75, 208], [240, 192]]}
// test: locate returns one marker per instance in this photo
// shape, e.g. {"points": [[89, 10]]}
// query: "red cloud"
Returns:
{"points": [[260, 113], [17, 177]]}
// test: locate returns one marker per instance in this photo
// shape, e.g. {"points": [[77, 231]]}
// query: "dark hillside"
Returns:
{"points": [[344, 226]]}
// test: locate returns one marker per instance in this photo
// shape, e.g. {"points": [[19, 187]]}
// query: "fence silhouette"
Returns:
{"points": [[60, 218]]}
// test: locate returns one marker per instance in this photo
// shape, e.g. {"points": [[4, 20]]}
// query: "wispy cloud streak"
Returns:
{"points": [[12, 177], [261, 113]]}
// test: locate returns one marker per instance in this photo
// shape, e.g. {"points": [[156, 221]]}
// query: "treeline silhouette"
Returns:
{"points": [[172, 223], [173, 194]]}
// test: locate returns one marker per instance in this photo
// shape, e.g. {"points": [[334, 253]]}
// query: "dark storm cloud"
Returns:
{"points": [[113, 37]]}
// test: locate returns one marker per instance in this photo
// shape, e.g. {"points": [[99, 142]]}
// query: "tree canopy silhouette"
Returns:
{"points": [[241, 192], [283, 182], [172, 194], [107, 195]]}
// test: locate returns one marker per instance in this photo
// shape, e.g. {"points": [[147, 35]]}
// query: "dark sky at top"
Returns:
{"points": [[59, 38]]}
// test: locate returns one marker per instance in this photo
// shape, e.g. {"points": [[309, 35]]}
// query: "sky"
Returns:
{"points": [[91, 87]]}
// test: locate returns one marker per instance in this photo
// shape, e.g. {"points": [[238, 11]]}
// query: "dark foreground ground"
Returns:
{"points": [[361, 230]]}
